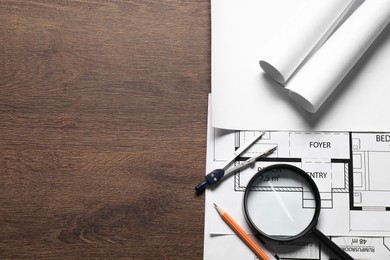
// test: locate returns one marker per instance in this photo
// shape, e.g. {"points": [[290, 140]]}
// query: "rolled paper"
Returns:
{"points": [[301, 35], [325, 69]]}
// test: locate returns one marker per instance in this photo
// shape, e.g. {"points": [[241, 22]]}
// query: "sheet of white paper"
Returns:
{"points": [[303, 33], [245, 98], [321, 74]]}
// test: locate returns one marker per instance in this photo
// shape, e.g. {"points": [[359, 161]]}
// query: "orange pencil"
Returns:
{"points": [[241, 233]]}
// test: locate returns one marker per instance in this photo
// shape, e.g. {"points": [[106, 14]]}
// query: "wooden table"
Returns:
{"points": [[103, 109]]}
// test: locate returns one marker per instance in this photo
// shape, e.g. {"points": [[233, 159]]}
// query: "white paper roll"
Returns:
{"points": [[303, 34], [320, 75]]}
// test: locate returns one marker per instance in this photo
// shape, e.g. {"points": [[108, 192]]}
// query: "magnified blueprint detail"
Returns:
{"points": [[351, 170]]}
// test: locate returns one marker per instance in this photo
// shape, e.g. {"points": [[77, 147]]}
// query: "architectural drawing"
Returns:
{"points": [[350, 170]]}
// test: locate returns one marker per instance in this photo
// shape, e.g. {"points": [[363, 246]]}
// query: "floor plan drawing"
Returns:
{"points": [[350, 170]]}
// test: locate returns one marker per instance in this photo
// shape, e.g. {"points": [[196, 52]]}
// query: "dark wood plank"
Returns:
{"points": [[103, 109]]}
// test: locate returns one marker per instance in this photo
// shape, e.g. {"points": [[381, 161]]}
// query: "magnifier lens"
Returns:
{"points": [[280, 203]]}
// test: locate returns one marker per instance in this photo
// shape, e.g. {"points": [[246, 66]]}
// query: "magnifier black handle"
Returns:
{"points": [[341, 254]]}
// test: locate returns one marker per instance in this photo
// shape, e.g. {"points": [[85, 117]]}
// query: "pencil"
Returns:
{"points": [[242, 234]]}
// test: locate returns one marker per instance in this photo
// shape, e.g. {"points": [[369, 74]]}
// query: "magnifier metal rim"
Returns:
{"points": [[312, 185]]}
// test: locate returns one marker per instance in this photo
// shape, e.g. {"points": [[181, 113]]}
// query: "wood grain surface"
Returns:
{"points": [[103, 109]]}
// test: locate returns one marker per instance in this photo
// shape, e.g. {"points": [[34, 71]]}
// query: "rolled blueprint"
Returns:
{"points": [[325, 69], [302, 35]]}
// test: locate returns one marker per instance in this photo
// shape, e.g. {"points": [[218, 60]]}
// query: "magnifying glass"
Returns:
{"points": [[282, 203]]}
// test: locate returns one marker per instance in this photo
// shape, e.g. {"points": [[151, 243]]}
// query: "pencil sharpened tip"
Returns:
{"points": [[219, 210]]}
